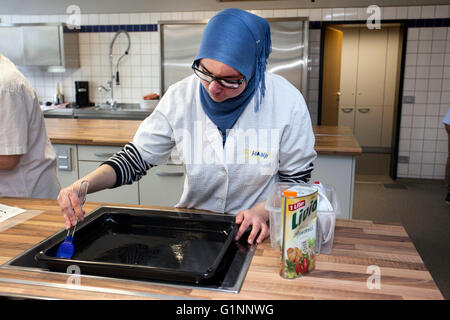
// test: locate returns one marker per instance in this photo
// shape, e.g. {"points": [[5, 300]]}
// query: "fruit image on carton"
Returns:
{"points": [[298, 231]]}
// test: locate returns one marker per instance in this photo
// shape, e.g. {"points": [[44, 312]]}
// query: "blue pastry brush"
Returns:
{"points": [[66, 249]]}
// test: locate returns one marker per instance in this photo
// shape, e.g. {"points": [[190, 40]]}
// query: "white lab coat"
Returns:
{"points": [[236, 176]]}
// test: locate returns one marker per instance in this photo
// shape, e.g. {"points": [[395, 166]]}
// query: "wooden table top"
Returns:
{"points": [[329, 140], [344, 274]]}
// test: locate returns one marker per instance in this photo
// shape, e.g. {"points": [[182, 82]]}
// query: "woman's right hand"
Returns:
{"points": [[71, 204]]}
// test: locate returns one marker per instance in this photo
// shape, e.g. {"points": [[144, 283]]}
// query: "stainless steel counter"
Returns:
{"points": [[124, 111]]}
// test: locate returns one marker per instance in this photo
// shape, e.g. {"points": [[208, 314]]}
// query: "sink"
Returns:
{"points": [[124, 111]]}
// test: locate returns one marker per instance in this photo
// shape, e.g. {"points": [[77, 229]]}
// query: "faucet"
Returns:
{"points": [[111, 104]]}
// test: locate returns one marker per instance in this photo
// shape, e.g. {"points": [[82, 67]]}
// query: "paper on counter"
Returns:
{"points": [[7, 212]]}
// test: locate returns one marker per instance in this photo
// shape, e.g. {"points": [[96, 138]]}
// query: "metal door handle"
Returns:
{"points": [[169, 174], [364, 110], [339, 93], [347, 110], [104, 154]]}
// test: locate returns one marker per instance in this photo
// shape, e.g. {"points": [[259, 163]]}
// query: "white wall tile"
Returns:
{"points": [[440, 157], [411, 59], [423, 72], [421, 85], [338, 14], [425, 33], [437, 59], [436, 72], [438, 46], [442, 12], [424, 46], [410, 72], [434, 97], [441, 146], [423, 59], [439, 33], [427, 12], [351, 13], [414, 170], [435, 85], [432, 109], [412, 46], [414, 12], [439, 171], [416, 146], [417, 133], [302, 12], [413, 34], [315, 15], [402, 170], [427, 171], [447, 59], [326, 15], [389, 13], [418, 122]]}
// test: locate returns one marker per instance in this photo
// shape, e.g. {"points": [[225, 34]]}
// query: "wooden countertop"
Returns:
{"points": [[329, 140], [342, 275]]}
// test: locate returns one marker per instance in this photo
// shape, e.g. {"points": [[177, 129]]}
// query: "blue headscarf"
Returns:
{"points": [[240, 40]]}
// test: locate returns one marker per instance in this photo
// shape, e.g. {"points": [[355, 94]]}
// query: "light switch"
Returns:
{"points": [[64, 158]]}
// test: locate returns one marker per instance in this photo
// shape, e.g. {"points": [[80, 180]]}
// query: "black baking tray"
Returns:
{"points": [[145, 244]]}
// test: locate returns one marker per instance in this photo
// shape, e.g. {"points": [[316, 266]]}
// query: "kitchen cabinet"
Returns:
{"points": [[339, 172], [369, 83], [127, 194], [368, 125], [40, 45], [162, 185]]}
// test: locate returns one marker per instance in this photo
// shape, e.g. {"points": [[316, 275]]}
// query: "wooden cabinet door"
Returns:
{"points": [[371, 67]]}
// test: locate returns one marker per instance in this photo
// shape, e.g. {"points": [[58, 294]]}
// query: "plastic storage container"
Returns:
{"points": [[326, 215]]}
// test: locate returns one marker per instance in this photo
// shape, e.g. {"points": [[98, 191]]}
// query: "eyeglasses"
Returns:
{"points": [[226, 83]]}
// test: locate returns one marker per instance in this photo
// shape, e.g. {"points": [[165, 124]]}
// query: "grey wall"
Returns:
{"points": [[44, 7]]}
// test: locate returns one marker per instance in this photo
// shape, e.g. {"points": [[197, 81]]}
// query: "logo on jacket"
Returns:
{"points": [[256, 154]]}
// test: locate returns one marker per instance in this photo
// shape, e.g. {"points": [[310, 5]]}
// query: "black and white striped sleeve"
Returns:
{"points": [[298, 177], [128, 165]]}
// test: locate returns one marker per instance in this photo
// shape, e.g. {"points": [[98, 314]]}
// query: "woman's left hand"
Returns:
{"points": [[257, 218]]}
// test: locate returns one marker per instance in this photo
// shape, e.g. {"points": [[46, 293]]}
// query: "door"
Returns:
{"points": [[371, 67], [331, 76]]}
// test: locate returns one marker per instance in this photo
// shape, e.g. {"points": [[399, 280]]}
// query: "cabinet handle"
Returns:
{"points": [[347, 110], [169, 174], [364, 110], [104, 154]]}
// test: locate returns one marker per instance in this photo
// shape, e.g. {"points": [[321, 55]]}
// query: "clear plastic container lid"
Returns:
{"points": [[327, 205]]}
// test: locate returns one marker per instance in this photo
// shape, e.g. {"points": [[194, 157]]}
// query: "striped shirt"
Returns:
{"points": [[129, 167]]}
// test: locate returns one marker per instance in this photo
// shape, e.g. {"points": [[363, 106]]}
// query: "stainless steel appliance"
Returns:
{"points": [[180, 41]]}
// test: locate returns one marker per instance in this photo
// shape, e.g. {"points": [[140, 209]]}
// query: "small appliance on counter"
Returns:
{"points": [[81, 94]]}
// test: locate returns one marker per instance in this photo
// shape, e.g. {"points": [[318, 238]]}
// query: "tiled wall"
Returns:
{"points": [[422, 136], [427, 77]]}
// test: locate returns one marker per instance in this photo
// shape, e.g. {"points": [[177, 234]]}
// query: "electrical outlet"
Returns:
{"points": [[403, 159], [408, 99]]}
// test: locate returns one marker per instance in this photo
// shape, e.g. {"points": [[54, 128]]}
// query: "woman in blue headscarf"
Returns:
{"points": [[236, 129]]}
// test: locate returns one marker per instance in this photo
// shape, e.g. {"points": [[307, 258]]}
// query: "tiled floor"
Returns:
{"points": [[416, 204]]}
